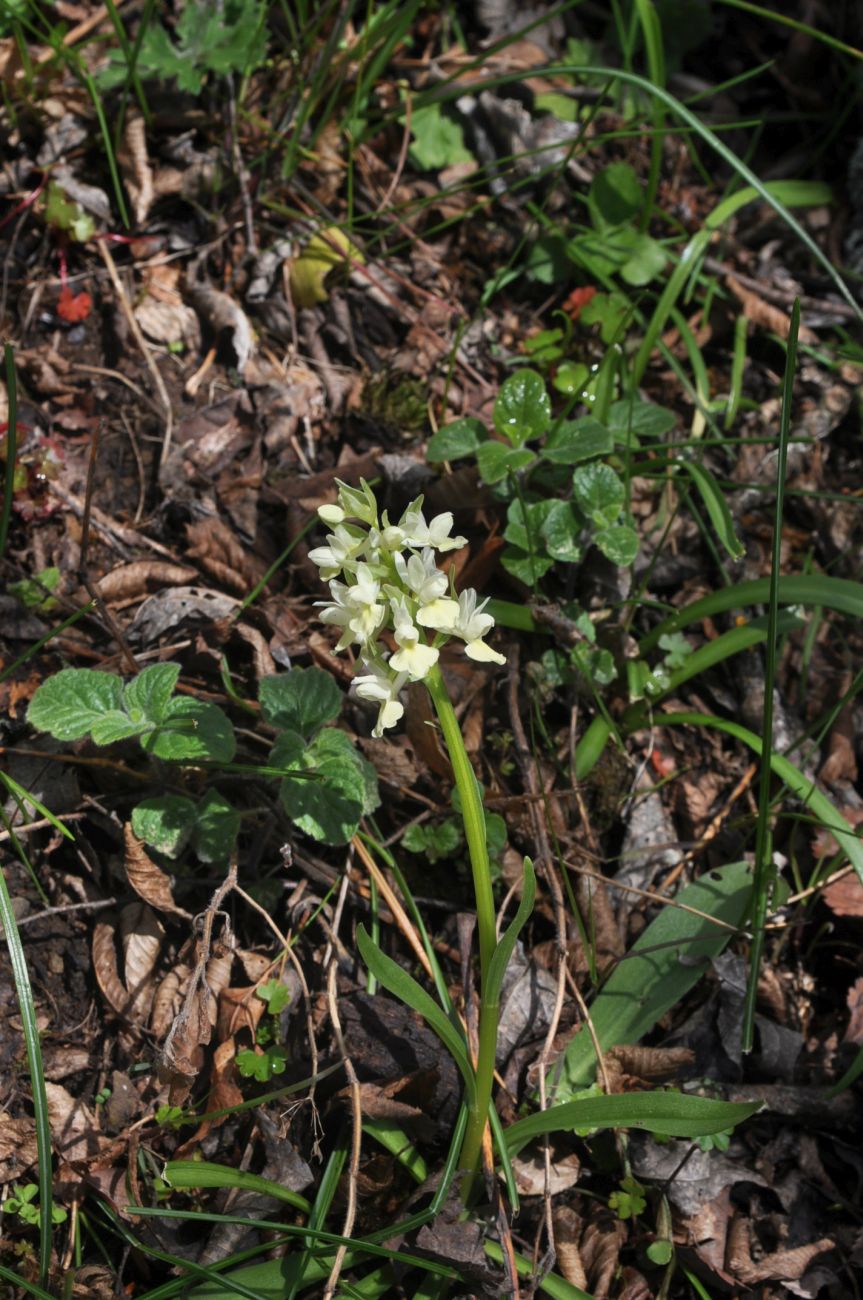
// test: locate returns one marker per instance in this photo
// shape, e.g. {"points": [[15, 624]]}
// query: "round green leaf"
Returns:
{"points": [[560, 532], [615, 195], [599, 492], [328, 808], [618, 543], [456, 440], [523, 407], [660, 1252]]}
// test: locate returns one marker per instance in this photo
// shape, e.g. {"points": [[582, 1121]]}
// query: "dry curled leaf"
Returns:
{"points": [[224, 318], [765, 314], [168, 999], [141, 936], [148, 881], [18, 1149], [74, 1130], [130, 580], [567, 1231]]}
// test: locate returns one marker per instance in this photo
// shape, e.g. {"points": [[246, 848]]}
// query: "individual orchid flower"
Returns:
{"points": [[379, 687], [343, 546], [421, 576], [435, 534], [414, 656], [472, 625]]}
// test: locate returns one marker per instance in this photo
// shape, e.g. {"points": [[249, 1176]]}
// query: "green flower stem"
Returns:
{"points": [[474, 829]]}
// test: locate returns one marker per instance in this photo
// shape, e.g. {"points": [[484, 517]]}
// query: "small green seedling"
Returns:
{"points": [[24, 1203], [630, 1200]]}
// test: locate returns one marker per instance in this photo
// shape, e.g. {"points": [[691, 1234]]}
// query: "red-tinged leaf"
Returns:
{"points": [[73, 307], [578, 299]]}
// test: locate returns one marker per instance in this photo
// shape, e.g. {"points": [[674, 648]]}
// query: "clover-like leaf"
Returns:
{"points": [[301, 700], [522, 409], [192, 730], [147, 696], [69, 703], [165, 822]]}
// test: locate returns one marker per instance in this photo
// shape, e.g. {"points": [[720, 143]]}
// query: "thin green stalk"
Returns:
{"points": [[474, 830], [11, 447], [764, 875]]}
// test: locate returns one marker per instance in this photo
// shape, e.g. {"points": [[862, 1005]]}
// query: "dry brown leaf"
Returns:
{"points": [[600, 1253], [824, 843], [135, 165], [782, 1265], [169, 322], [262, 660], [74, 1129], [765, 314], [18, 1150], [224, 318], [219, 552], [648, 1063], [136, 579], [854, 1031], [845, 896], [530, 1173], [104, 954], [148, 881], [239, 1009], [224, 1094], [141, 936], [168, 999], [567, 1231]]}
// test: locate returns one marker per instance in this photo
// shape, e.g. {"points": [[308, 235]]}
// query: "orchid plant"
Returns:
{"points": [[399, 609]]}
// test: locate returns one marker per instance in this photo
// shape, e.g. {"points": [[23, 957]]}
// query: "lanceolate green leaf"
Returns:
{"points": [[407, 990], [503, 951], [716, 506], [840, 594], [203, 1173], [819, 805], [667, 960], [670, 1114]]}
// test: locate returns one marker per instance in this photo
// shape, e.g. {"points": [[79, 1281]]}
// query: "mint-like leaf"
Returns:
{"points": [[301, 700], [217, 825], [69, 703], [147, 696], [577, 440], [192, 730], [327, 797], [116, 725], [165, 822]]}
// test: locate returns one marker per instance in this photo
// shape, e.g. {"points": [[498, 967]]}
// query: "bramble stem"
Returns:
{"points": [[473, 818]]}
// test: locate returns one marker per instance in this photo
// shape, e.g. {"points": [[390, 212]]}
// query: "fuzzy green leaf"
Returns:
{"points": [[577, 440], [69, 703], [192, 730], [165, 822], [147, 696], [301, 700], [495, 460], [217, 825]]}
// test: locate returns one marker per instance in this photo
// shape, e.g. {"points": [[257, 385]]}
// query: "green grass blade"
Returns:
{"points": [[33, 1051], [503, 952], [765, 873], [716, 507], [651, 31], [666, 961], [839, 594], [202, 1173], [776, 16], [670, 1114], [551, 1284], [800, 785]]}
